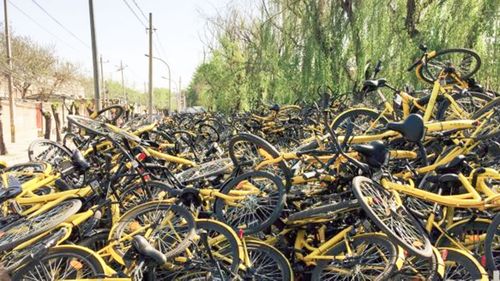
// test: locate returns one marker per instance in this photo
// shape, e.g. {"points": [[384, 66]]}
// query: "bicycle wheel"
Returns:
{"points": [[470, 233], [267, 262], [491, 131], [470, 102], [382, 207], [362, 120], [72, 141], [205, 170], [63, 263], [207, 133], [248, 150], [416, 268], [368, 256], [492, 245], [139, 193], [90, 126], [15, 259], [325, 212], [109, 114], [256, 211], [48, 151], [26, 228], [465, 62], [171, 226], [27, 171], [221, 263], [460, 265]]}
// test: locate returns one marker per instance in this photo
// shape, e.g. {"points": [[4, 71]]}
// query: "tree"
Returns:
{"points": [[285, 49], [31, 62]]}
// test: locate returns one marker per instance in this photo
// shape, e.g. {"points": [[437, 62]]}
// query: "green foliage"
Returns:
{"points": [[291, 47]]}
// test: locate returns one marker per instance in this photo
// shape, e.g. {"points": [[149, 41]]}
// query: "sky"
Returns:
{"points": [[121, 36]]}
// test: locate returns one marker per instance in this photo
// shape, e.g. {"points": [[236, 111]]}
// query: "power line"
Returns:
{"points": [[61, 25], [135, 14], [140, 10], [42, 27], [159, 43]]}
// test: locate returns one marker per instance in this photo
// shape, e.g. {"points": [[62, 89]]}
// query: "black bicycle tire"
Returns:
{"points": [[457, 228], [260, 142], [76, 205], [337, 248], [75, 252], [426, 252], [445, 103], [272, 253], [458, 258], [356, 112], [219, 203], [324, 210], [188, 217], [122, 111], [421, 71], [493, 231], [222, 229], [47, 142]]}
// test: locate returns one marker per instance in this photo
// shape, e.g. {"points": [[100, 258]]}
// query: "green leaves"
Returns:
{"points": [[291, 47]]}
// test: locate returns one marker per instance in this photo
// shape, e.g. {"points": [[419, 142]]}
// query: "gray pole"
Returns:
{"points": [[9, 75], [123, 83], [169, 81], [103, 90], [150, 105], [94, 58]]}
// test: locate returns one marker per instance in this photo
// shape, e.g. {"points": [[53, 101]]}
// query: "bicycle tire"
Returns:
{"points": [[466, 230], [418, 268], [495, 132], [19, 231], [403, 228], [259, 143], [327, 211], [260, 221], [75, 256], [130, 220], [445, 104], [492, 245], [460, 265], [143, 192], [355, 113], [53, 153], [102, 118], [421, 73], [205, 170], [356, 268], [271, 258], [229, 248]]}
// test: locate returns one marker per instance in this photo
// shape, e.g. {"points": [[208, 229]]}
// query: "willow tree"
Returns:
{"points": [[283, 50]]}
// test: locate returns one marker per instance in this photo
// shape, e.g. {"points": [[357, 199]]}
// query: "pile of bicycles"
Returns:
{"points": [[402, 190]]}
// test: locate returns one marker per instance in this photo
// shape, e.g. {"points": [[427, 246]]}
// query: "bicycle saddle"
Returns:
{"points": [[375, 153], [79, 161], [454, 166], [372, 85], [275, 107], [412, 128], [142, 246], [12, 190]]}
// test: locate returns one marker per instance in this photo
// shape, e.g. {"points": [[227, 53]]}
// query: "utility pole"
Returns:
{"points": [[122, 67], [150, 103], [103, 88], [9, 75], [94, 58], [180, 95]]}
